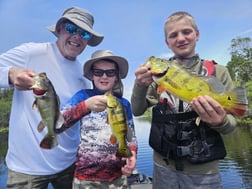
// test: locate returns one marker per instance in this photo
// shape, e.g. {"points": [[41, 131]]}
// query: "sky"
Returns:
{"points": [[131, 28]]}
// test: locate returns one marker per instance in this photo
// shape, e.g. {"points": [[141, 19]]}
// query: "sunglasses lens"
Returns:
{"points": [[72, 29], [85, 35], [99, 73], [110, 73]]}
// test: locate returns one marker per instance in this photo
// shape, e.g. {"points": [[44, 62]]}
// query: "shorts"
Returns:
{"points": [[164, 178], [61, 180], [119, 183]]}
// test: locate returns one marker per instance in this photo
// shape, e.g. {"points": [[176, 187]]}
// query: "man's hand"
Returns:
{"points": [[21, 78]]}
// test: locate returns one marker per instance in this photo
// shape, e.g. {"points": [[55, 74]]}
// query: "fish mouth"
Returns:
{"points": [[158, 75], [36, 86], [110, 106], [37, 91]]}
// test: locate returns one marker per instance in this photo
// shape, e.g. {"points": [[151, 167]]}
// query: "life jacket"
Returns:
{"points": [[177, 136]]}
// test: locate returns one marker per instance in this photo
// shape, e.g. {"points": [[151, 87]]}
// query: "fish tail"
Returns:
{"points": [[160, 89], [49, 142], [123, 152], [240, 102]]}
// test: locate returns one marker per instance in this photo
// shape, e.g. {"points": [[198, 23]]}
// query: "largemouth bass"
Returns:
{"points": [[179, 81], [118, 121], [47, 102]]}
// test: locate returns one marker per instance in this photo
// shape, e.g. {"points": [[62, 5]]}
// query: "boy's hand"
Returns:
{"points": [[128, 168], [143, 76], [209, 110], [96, 103]]}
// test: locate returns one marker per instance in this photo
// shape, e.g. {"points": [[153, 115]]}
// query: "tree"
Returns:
{"points": [[5, 106], [240, 66]]}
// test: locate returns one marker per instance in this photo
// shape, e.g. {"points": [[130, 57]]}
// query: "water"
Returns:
{"points": [[236, 168], [3, 173]]}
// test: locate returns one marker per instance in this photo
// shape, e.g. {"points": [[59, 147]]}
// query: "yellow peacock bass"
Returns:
{"points": [[118, 121], [179, 81]]}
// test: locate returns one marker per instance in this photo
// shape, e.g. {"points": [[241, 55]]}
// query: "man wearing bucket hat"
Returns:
{"points": [[98, 166], [30, 166]]}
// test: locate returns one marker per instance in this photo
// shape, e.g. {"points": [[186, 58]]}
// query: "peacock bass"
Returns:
{"points": [[118, 121], [179, 81]]}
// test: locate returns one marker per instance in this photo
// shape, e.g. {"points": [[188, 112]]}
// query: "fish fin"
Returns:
{"points": [[160, 89], [60, 121], [57, 99], [123, 152], [107, 120], [239, 110], [113, 139], [34, 105], [41, 126], [240, 102], [197, 121], [49, 142], [214, 84]]}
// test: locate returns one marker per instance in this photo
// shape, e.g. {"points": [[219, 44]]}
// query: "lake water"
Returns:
{"points": [[236, 168]]}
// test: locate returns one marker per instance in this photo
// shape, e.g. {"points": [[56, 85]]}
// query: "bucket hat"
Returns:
{"points": [[83, 19], [122, 63]]}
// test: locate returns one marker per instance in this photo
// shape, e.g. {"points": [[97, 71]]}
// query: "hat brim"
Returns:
{"points": [[95, 40], [121, 62]]}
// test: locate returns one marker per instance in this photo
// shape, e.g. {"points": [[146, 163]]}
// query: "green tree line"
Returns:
{"points": [[240, 68], [5, 106]]}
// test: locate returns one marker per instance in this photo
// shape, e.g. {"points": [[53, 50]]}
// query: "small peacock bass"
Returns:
{"points": [[179, 81], [118, 121]]}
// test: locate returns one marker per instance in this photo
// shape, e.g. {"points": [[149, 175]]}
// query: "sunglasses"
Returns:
{"points": [[73, 30], [100, 73]]}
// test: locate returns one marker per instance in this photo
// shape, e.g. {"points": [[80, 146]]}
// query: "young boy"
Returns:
{"points": [[97, 165], [192, 152]]}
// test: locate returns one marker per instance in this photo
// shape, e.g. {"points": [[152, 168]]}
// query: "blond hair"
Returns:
{"points": [[178, 16]]}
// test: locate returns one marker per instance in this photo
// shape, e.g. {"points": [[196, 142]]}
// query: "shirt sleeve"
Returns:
{"points": [[16, 57], [73, 111], [143, 98], [72, 115]]}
